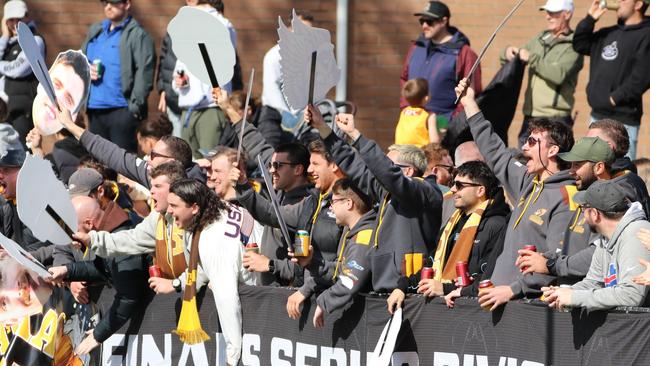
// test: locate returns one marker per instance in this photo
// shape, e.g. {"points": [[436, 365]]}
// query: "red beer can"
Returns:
{"points": [[426, 273], [463, 274], [530, 247], [252, 247], [154, 271]]}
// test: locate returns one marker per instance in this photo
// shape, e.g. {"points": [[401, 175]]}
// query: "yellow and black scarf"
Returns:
{"points": [[446, 271], [189, 325]]}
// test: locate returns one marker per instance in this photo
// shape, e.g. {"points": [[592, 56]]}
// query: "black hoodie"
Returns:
{"points": [[618, 68]]}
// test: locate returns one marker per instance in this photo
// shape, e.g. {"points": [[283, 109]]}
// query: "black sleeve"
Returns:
{"points": [[583, 37], [84, 271]]}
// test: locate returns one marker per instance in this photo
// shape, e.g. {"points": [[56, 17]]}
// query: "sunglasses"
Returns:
{"points": [[278, 164], [532, 141], [460, 185], [335, 200], [104, 2], [450, 168], [428, 21], [154, 155]]}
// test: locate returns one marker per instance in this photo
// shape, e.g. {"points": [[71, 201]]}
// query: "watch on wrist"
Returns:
{"points": [[176, 283], [550, 265], [271, 265]]}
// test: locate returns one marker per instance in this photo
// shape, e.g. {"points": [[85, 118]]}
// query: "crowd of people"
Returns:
{"points": [[561, 218]]}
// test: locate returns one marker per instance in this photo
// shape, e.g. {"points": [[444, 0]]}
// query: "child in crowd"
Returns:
{"points": [[416, 126]]}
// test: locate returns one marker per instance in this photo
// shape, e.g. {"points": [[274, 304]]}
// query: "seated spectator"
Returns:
{"points": [[87, 274], [150, 131], [541, 191], [615, 263], [197, 210], [473, 234], [350, 273], [416, 126], [409, 206], [439, 164]]}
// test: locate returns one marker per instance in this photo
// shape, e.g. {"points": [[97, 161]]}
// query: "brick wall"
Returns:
{"points": [[379, 35]]}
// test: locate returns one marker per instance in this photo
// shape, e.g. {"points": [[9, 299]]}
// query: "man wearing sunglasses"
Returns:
{"points": [[541, 191], [473, 234], [553, 67], [120, 87], [441, 55]]}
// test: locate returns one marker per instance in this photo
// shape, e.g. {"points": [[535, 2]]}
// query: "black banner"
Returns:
{"points": [[519, 334]]}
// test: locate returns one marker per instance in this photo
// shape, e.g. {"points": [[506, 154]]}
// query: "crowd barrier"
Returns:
{"points": [[519, 334]]}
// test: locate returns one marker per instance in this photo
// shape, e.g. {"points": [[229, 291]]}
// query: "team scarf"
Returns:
{"points": [[446, 272], [189, 325]]}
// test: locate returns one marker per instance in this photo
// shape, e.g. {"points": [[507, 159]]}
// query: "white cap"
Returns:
{"points": [[15, 9], [557, 5]]}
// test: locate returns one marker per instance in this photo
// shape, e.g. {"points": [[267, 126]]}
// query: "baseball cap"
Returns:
{"points": [[592, 149], [15, 9], [557, 5], [83, 181], [604, 195], [12, 152], [436, 10]]}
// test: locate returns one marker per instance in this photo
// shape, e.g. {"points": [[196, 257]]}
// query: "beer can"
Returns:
{"points": [[530, 247], [301, 244], [426, 273], [482, 286], [155, 271], [99, 67], [252, 247], [609, 4], [463, 274]]}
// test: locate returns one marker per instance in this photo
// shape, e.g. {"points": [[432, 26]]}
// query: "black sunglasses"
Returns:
{"points": [[460, 185], [278, 164], [450, 168], [429, 21], [154, 155], [531, 141], [104, 2]]}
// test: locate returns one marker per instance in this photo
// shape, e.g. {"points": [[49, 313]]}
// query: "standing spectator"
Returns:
{"points": [[615, 262], [553, 68], [121, 86], [442, 56], [274, 106], [152, 130], [618, 73], [416, 126], [19, 81], [168, 99]]}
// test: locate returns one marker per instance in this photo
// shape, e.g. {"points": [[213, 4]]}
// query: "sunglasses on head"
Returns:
{"points": [[278, 164], [460, 185]]}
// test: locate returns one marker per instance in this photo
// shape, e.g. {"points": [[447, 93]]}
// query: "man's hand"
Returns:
{"points": [[511, 52], [254, 262], [395, 300], [58, 274], [5, 29], [302, 261], [82, 240], [314, 118], [79, 292], [293, 304], [220, 97], [558, 297], [65, 118], [162, 102], [643, 278], [531, 262], [467, 98], [430, 288], [345, 121], [524, 55], [596, 11], [87, 345], [449, 298], [495, 296], [94, 75], [319, 320], [34, 139], [161, 285]]}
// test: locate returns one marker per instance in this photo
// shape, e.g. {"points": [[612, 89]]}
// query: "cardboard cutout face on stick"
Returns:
{"points": [[22, 292], [70, 75], [296, 49], [43, 203], [203, 44]]}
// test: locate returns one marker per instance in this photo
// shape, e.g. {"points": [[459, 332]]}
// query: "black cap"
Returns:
{"points": [[604, 195], [436, 10]]}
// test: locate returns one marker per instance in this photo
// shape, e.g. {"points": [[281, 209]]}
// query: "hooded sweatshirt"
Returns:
{"points": [[408, 218], [615, 262], [443, 66], [543, 210], [618, 68], [350, 273]]}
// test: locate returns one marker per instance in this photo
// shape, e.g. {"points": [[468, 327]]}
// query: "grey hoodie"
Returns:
{"points": [[542, 212], [615, 262]]}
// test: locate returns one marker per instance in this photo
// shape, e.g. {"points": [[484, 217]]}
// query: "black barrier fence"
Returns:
{"points": [[519, 334]]}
